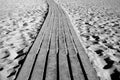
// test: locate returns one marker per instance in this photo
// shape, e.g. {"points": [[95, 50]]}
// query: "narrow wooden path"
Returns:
{"points": [[57, 53]]}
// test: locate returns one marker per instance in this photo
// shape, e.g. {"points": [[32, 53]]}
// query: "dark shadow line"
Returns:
{"points": [[35, 60], [46, 62], [70, 67], [58, 51], [68, 58], [48, 51], [58, 78], [83, 70]]}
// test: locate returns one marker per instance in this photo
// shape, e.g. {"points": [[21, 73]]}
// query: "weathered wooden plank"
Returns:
{"points": [[76, 69], [90, 72], [39, 72], [51, 73], [63, 64], [25, 71]]}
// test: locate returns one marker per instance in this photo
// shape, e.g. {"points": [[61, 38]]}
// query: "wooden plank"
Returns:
{"points": [[51, 73], [25, 71], [63, 65], [76, 69], [90, 72], [39, 71]]}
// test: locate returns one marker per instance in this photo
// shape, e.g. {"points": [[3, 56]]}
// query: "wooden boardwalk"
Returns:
{"points": [[57, 53]]}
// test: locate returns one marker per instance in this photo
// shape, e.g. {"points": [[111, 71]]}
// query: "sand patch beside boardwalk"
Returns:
{"points": [[7, 6]]}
